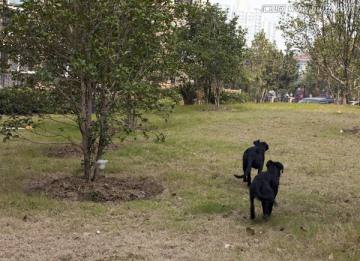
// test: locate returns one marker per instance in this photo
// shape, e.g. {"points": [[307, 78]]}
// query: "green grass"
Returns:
{"points": [[317, 216]]}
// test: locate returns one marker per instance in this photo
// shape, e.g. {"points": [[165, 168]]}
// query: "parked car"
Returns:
{"points": [[320, 100], [298, 97]]}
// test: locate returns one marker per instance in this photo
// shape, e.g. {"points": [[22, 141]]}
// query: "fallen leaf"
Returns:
{"points": [[250, 231], [303, 229]]}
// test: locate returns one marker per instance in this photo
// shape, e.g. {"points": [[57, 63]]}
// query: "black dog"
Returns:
{"points": [[265, 188], [253, 158]]}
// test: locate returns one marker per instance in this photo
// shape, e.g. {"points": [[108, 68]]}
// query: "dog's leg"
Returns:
{"points": [[266, 206], [271, 207], [247, 173], [245, 168], [252, 207], [249, 180]]}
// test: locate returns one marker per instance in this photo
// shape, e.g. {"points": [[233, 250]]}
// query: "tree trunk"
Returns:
{"points": [[344, 92], [217, 92], [85, 127], [103, 142], [207, 91], [262, 94], [131, 114], [98, 156]]}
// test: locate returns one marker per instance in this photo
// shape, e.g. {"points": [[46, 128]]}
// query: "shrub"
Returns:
{"points": [[234, 97], [23, 100]]}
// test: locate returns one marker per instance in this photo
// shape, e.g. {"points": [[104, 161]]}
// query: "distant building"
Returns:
{"points": [[250, 19], [13, 2], [302, 59], [243, 5], [188, 1], [6, 80]]}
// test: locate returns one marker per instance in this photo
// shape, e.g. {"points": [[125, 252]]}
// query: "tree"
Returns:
{"points": [[288, 71], [318, 83], [110, 55], [259, 63], [211, 47], [329, 31], [268, 68]]}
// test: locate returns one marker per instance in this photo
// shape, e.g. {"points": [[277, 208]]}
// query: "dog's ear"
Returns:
{"points": [[266, 146], [280, 167], [256, 142], [269, 163]]}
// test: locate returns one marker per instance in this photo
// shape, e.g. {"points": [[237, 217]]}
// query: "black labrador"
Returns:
{"points": [[265, 188], [253, 157]]}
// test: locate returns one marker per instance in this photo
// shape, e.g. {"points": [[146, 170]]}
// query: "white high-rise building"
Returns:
{"points": [[243, 5], [269, 28], [251, 19]]}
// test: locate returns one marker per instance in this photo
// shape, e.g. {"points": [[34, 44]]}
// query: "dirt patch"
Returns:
{"points": [[67, 151], [70, 151], [105, 189]]}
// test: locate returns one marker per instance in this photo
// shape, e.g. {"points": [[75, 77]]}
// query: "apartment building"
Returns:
{"points": [[7, 80], [251, 19]]}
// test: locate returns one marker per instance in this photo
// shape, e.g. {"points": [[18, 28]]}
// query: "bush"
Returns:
{"points": [[25, 101], [188, 93], [234, 97]]}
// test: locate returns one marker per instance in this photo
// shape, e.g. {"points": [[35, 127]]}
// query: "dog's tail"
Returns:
{"points": [[239, 176]]}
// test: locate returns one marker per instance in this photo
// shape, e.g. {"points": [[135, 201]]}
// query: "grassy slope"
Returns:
{"points": [[317, 215]]}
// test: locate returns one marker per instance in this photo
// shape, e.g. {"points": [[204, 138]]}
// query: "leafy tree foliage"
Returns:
{"points": [[317, 83], [104, 55], [210, 47], [329, 31], [268, 68]]}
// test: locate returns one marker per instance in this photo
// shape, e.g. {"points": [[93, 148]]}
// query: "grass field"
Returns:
{"points": [[203, 213]]}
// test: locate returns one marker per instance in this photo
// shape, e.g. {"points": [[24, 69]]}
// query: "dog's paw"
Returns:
{"points": [[265, 217]]}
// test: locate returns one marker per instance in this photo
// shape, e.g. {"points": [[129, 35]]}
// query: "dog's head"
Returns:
{"points": [[278, 165], [262, 144]]}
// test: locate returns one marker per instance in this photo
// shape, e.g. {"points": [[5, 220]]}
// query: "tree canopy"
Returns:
{"points": [[329, 31], [107, 56], [211, 47], [268, 68]]}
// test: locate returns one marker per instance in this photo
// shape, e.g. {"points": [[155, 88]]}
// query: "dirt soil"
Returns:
{"points": [[105, 189], [68, 151]]}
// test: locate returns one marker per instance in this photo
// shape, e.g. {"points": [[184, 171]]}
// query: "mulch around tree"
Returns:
{"points": [[106, 189]]}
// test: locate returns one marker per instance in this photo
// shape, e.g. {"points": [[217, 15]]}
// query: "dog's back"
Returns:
{"points": [[253, 157], [265, 188], [260, 187]]}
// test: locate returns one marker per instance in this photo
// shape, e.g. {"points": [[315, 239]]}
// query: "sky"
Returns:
{"points": [[280, 41]]}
